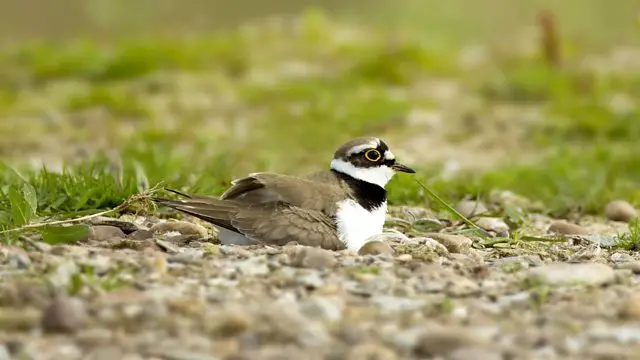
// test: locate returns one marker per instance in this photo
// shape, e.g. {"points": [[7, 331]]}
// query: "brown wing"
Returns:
{"points": [[272, 223], [272, 209], [263, 188], [281, 224]]}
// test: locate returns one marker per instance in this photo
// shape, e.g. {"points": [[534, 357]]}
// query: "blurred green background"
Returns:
{"points": [[595, 21], [114, 96]]}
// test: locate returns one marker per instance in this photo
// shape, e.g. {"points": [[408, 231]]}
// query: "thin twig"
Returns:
{"points": [[125, 203]]}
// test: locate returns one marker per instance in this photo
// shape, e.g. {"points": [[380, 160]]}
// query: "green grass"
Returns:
{"points": [[194, 113]]}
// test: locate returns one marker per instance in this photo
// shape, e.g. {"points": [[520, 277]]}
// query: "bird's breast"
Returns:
{"points": [[355, 224]]}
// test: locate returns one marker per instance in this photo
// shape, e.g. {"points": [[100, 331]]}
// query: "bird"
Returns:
{"points": [[335, 209]]}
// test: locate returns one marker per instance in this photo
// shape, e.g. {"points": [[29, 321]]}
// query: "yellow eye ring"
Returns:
{"points": [[372, 155]]}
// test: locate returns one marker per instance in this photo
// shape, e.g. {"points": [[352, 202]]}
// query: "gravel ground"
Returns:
{"points": [[147, 288]]}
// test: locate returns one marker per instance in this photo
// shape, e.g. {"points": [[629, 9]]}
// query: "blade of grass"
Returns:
{"points": [[480, 232]]}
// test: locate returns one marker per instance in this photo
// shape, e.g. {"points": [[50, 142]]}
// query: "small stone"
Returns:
{"points": [[311, 257], [593, 274], [105, 353], [64, 315], [63, 273], [124, 225], [311, 280], [18, 258], [470, 208], [620, 210], [141, 235], [453, 243], [391, 304], [187, 256], [94, 337], [375, 248], [176, 353], [474, 353], [327, 309], [254, 266], [442, 341], [566, 228], [182, 227], [621, 257], [18, 319], [371, 351], [4, 353], [104, 233], [496, 225], [229, 324], [404, 257], [631, 307], [167, 246]]}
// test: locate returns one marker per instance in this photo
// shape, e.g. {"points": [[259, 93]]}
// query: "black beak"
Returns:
{"points": [[402, 168]]}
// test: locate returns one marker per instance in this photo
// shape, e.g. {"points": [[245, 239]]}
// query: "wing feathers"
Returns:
{"points": [[271, 208]]}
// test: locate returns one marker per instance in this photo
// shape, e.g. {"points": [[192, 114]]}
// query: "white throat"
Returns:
{"points": [[379, 175]]}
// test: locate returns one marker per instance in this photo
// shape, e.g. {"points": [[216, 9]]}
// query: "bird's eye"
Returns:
{"points": [[373, 155]]}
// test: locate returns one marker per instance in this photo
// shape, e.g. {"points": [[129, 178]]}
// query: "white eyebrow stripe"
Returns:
{"points": [[359, 148], [389, 155]]}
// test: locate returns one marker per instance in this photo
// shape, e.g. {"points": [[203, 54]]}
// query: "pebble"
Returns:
{"points": [[254, 266], [391, 304], [327, 309], [62, 276], [94, 337], [619, 257], [375, 248], [470, 208], [109, 352], [187, 256], [124, 225], [228, 324], [371, 351], [167, 246], [444, 340], [620, 210], [18, 258], [573, 274], [64, 315], [23, 319], [431, 244], [311, 280], [467, 353], [104, 233], [453, 243], [311, 257], [494, 224], [283, 321], [182, 227], [180, 354], [566, 228], [404, 257], [631, 307], [141, 235], [4, 353]]}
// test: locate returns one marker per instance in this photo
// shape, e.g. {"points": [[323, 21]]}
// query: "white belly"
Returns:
{"points": [[228, 237], [356, 224]]}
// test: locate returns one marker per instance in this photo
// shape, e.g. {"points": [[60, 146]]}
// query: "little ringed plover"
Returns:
{"points": [[334, 209]]}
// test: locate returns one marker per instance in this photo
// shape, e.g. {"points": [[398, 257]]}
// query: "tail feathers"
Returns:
{"points": [[217, 212], [179, 193], [192, 196]]}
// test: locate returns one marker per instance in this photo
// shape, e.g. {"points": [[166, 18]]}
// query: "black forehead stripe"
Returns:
{"points": [[382, 147]]}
